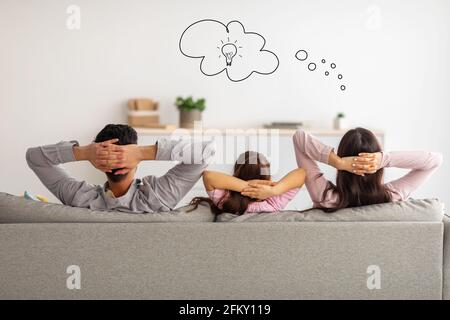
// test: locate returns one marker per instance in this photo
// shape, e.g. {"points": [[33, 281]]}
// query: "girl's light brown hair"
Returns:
{"points": [[249, 166]]}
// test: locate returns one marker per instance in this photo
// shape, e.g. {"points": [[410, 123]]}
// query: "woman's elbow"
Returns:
{"points": [[299, 138], [438, 159]]}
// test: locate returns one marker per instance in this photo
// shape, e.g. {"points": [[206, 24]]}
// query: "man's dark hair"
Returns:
{"points": [[125, 134]]}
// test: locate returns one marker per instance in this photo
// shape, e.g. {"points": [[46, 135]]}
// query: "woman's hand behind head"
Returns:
{"points": [[362, 164], [367, 163]]}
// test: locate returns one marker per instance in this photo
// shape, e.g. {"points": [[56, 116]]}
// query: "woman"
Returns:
{"points": [[360, 163], [250, 169]]}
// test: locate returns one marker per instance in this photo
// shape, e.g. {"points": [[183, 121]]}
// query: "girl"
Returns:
{"points": [[250, 169], [360, 164]]}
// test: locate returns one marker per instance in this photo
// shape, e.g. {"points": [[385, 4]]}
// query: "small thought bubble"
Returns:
{"points": [[312, 66], [302, 55]]}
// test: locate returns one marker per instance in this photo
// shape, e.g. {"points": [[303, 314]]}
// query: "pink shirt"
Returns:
{"points": [[308, 150], [271, 204]]}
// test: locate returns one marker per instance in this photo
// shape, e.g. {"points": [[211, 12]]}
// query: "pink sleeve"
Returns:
{"points": [[308, 150], [216, 195], [273, 204], [260, 206], [280, 202], [421, 163]]}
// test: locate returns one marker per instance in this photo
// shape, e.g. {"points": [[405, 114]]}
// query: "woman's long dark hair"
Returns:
{"points": [[353, 190], [250, 165]]}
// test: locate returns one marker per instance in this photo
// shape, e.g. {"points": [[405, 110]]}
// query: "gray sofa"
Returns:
{"points": [[388, 251]]}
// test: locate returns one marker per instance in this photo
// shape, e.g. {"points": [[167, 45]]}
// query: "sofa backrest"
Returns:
{"points": [[15, 209], [411, 210]]}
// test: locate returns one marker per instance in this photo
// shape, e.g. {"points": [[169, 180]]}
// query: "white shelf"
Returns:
{"points": [[245, 131], [279, 152]]}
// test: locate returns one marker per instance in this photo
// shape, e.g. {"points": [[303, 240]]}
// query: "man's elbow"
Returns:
{"points": [[29, 155]]}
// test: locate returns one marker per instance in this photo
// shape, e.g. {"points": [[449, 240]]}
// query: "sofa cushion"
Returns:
{"points": [[15, 209], [410, 210]]}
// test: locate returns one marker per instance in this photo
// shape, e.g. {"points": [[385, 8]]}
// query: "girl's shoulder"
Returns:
{"points": [[216, 194]]}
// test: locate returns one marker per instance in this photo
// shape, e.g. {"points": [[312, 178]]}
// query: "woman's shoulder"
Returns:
{"points": [[396, 195], [330, 199]]}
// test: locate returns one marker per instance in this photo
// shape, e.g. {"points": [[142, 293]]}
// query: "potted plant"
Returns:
{"points": [[340, 122], [190, 110]]}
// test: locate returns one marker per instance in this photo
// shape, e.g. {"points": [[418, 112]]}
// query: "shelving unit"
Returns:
{"points": [[248, 131], [275, 144]]}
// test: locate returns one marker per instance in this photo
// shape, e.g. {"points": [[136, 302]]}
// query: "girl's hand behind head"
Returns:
{"points": [[259, 191]]}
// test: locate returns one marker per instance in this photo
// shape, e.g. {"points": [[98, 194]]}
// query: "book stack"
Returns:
{"points": [[285, 125]]}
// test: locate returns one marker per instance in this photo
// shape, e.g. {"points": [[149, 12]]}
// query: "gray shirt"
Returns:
{"points": [[149, 194]]}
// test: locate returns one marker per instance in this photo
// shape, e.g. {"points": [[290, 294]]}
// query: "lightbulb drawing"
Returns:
{"points": [[229, 50]]}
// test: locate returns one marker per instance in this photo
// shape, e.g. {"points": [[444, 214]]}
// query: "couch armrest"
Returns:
{"points": [[446, 257]]}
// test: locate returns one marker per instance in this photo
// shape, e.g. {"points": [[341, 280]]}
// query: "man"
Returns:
{"points": [[115, 152]]}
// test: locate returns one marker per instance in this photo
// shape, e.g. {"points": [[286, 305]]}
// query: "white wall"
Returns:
{"points": [[59, 84]]}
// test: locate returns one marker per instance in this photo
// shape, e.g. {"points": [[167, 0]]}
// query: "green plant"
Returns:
{"points": [[341, 115], [189, 104]]}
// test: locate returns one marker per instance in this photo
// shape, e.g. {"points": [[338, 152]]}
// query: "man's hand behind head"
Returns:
{"points": [[125, 157], [102, 155]]}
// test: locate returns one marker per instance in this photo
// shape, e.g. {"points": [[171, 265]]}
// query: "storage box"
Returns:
{"points": [[143, 120], [142, 104], [143, 113]]}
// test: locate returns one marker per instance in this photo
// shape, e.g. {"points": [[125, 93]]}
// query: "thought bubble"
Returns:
{"points": [[227, 48], [302, 55]]}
